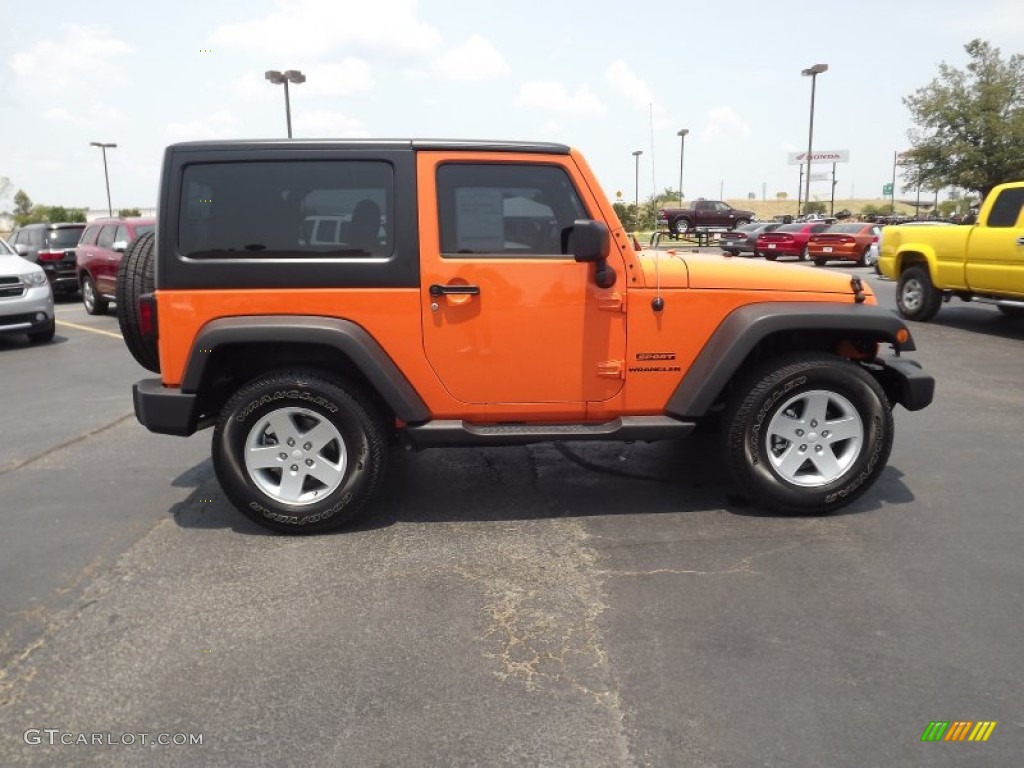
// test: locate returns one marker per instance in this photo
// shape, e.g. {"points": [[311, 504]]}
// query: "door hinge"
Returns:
{"points": [[612, 369], [614, 302]]}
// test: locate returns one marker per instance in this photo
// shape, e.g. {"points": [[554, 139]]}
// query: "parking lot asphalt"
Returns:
{"points": [[562, 604]]}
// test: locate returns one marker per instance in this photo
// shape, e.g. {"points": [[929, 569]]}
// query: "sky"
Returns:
{"points": [[606, 77]]}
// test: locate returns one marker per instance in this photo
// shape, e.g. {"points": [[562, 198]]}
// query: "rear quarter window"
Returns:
{"points": [[1006, 211], [274, 210]]}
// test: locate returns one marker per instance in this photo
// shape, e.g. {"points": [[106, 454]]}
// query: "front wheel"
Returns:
{"points": [[298, 453], [805, 254], [916, 297], [740, 223], [44, 336], [808, 433]]}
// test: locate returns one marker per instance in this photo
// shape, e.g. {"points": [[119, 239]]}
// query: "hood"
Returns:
{"points": [[15, 265], [707, 271]]}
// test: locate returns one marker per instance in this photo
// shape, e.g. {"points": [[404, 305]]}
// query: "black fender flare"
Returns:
{"points": [[745, 327], [346, 337]]}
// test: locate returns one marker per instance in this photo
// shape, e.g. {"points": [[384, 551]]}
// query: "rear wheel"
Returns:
{"points": [[820, 262], [805, 254], [1011, 311], [740, 223], [808, 433], [93, 302], [134, 279], [770, 256], [680, 226], [863, 260], [299, 453], [916, 297]]}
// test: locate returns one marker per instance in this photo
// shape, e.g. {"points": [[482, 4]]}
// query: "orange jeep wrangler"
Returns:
{"points": [[316, 301]]}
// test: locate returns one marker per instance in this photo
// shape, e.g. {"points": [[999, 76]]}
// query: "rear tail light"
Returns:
{"points": [[51, 255], [874, 239], [147, 316]]}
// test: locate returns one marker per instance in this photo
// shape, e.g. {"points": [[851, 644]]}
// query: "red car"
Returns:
{"points": [[788, 240], [98, 255], [849, 242]]}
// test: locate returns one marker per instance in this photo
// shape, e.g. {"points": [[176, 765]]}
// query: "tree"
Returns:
{"points": [[815, 206], [969, 124], [781, 195], [127, 213], [22, 203]]}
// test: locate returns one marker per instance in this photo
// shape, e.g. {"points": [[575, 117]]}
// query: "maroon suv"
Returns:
{"points": [[99, 254]]}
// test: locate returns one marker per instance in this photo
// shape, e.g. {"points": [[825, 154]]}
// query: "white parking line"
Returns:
{"points": [[90, 330]]}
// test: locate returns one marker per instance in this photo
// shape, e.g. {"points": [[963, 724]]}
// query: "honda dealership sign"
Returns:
{"points": [[836, 156]]}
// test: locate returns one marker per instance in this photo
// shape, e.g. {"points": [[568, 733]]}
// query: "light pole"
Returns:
{"points": [[681, 133], [636, 190], [283, 78], [103, 147], [813, 73]]}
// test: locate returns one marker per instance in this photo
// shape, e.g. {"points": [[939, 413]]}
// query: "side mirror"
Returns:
{"points": [[120, 245], [589, 240], [21, 250]]}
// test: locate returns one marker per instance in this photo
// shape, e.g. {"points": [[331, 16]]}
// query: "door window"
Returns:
{"points": [[506, 210], [106, 238]]}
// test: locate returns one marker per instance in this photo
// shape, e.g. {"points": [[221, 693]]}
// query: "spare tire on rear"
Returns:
{"points": [[135, 278]]}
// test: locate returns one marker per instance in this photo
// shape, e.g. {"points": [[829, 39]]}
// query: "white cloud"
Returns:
{"points": [[724, 122], [327, 124], [93, 116], [305, 28], [552, 96], [84, 55], [475, 60], [350, 76], [219, 125], [627, 84]]}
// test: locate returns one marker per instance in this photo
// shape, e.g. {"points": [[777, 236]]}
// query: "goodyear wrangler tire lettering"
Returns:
{"points": [[298, 452], [808, 433]]}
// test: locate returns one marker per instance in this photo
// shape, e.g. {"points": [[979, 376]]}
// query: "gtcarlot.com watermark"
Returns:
{"points": [[58, 737]]}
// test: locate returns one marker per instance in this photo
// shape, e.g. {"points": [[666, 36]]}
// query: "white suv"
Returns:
{"points": [[26, 299]]}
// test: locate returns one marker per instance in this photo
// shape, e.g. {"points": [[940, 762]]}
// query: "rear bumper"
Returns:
{"points": [[164, 410], [907, 383]]}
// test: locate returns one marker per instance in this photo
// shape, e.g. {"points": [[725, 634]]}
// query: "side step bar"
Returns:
{"points": [[435, 434]]}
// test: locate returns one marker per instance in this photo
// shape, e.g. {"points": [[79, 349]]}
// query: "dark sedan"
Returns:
{"points": [[744, 239]]}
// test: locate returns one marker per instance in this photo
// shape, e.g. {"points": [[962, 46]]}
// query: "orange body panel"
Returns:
{"points": [[541, 341]]}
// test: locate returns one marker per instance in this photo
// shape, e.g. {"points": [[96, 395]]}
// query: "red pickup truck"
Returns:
{"points": [[703, 213]]}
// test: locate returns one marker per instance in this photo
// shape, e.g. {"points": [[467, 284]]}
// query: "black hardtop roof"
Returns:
{"points": [[473, 145]]}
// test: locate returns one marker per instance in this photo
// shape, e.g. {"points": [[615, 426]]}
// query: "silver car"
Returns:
{"points": [[26, 298]]}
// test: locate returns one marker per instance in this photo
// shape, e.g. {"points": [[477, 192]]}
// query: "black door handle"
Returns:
{"points": [[1020, 241], [457, 290]]}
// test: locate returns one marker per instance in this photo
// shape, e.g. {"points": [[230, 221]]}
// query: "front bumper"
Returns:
{"points": [[28, 313], [907, 383], [164, 410]]}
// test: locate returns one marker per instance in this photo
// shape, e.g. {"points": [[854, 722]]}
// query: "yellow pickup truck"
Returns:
{"points": [[982, 262]]}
